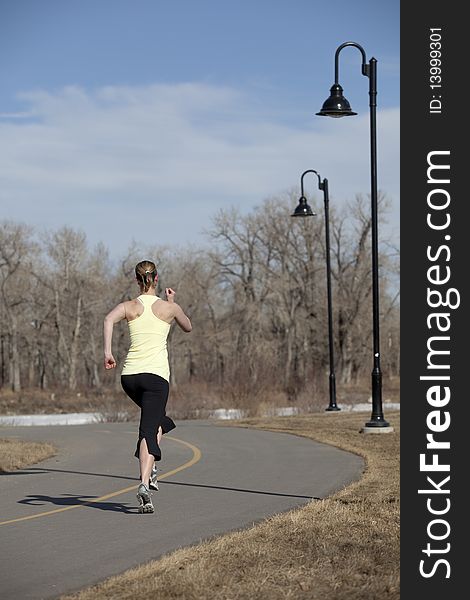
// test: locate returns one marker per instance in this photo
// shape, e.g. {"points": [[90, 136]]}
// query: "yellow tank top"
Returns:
{"points": [[148, 351]]}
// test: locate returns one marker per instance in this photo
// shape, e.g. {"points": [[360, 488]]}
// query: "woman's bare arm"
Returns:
{"points": [[114, 316], [178, 313], [182, 319]]}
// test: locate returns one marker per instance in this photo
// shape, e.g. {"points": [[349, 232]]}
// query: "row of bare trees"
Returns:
{"points": [[256, 295]]}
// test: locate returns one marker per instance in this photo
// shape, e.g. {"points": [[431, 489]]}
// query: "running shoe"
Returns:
{"points": [[145, 499], [153, 483]]}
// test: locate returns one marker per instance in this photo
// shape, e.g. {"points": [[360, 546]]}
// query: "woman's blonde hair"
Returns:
{"points": [[145, 272]]}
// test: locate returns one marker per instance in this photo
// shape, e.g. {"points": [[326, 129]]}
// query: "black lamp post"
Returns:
{"points": [[304, 210], [337, 106]]}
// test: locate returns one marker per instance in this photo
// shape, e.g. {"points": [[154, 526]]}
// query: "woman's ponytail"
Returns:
{"points": [[145, 272]]}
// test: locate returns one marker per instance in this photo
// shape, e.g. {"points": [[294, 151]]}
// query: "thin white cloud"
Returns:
{"points": [[15, 115], [174, 154]]}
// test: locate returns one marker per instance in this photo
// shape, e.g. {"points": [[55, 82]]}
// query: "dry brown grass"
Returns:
{"points": [[343, 548], [187, 400], [16, 454], [53, 401]]}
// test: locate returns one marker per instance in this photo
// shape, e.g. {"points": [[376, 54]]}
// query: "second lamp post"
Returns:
{"points": [[304, 210]]}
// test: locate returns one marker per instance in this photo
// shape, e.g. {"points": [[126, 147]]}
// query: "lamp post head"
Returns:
{"points": [[303, 209], [336, 105]]}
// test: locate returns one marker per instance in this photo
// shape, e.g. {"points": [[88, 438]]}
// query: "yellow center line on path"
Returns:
{"points": [[195, 458]]}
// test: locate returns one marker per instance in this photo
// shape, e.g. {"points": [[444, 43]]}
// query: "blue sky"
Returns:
{"points": [[116, 111]]}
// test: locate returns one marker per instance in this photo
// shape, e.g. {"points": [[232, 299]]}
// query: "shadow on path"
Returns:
{"points": [[229, 489], [72, 500], [41, 470]]}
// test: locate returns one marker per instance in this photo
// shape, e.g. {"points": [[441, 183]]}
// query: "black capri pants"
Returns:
{"points": [[150, 393]]}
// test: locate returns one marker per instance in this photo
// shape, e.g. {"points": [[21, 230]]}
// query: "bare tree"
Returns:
{"points": [[16, 250], [256, 297], [67, 251]]}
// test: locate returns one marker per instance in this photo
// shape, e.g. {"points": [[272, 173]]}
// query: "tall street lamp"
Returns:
{"points": [[304, 210], [337, 106]]}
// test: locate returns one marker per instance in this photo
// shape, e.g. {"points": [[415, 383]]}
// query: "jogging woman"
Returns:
{"points": [[145, 375]]}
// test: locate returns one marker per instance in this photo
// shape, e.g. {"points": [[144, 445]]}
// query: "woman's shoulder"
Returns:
{"points": [[163, 309], [133, 308], [133, 301]]}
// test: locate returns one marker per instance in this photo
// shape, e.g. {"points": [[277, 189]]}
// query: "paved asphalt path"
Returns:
{"points": [[72, 520]]}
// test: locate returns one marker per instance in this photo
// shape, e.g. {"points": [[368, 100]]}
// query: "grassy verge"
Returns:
{"points": [[343, 548], [186, 400], [16, 454]]}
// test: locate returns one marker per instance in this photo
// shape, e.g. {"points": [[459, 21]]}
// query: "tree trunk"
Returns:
{"points": [[15, 356], [31, 365], [64, 357], [74, 346], [3, 369]]}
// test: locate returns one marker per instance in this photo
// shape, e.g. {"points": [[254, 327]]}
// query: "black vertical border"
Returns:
{"points": [[423, 132]]}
